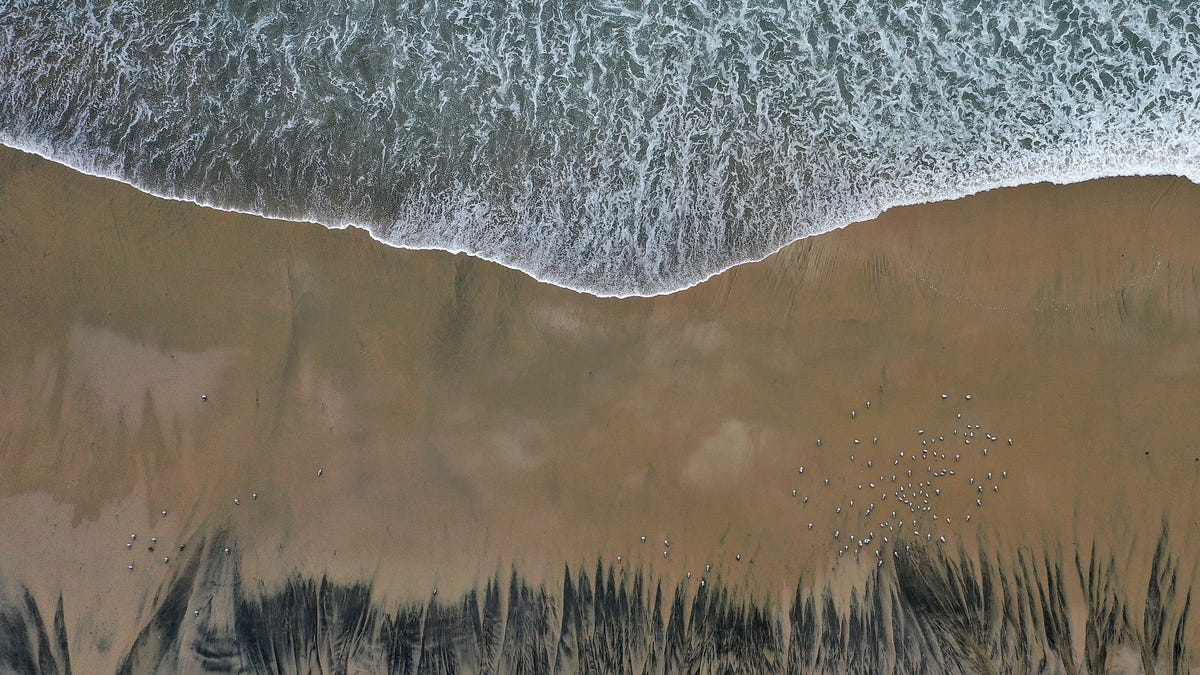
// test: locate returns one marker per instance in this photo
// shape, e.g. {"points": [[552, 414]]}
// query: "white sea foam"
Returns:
{"points": [[623, 149]]}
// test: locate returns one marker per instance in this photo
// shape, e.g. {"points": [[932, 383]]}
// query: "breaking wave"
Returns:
{"points": [[616, 148]]}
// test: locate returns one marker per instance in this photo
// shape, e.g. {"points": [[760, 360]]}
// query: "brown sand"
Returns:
{"points": [[465, 417]]}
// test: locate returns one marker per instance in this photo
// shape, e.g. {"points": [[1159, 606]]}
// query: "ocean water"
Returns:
{"points": [[617, 148]]}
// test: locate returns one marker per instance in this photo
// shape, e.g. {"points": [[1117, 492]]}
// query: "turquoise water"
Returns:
{"points": [[621, 148]]}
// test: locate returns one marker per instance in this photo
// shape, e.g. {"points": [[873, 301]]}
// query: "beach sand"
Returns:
{"points": [[421, 420]]}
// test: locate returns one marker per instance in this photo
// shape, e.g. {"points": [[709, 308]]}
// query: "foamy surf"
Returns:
{"points": [[623, 149]]}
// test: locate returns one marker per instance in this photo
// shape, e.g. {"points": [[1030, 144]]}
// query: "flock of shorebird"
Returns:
{"points": [[903, 492], [150, 547], [154, 540], [907, 494], [237, 501]]}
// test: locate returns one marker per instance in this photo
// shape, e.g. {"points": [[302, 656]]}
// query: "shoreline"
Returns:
{"points": [[850, 220]]}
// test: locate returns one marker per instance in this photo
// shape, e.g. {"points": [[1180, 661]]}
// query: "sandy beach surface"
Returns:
{"points": [[422, 422]]}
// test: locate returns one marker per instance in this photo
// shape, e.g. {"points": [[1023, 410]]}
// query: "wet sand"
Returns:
{"points": [[418, 420]]}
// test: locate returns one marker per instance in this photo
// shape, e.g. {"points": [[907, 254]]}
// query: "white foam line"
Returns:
{"points": [[1171, 170], [1180, 170]]}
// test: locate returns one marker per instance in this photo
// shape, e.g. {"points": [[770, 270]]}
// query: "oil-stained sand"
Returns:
{"points": [[395, 422]]}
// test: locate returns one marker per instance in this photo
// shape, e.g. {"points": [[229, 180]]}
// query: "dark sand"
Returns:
{"points": [[467, 420]]}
